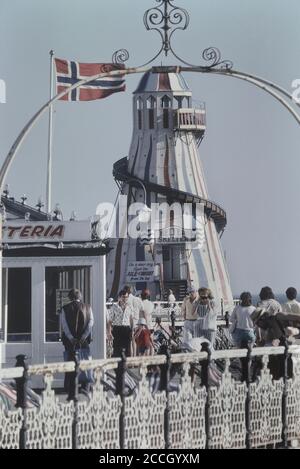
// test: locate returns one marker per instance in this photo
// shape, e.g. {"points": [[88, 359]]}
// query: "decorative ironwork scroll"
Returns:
{"points": [[187, 414], [293, 401], [266, 408], [167, 18], [227, 413], [144, 417], [120, 57], [50, 425], [98, 419], [10, 426]]}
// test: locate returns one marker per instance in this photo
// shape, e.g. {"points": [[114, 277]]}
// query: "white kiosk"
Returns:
{"points": [[42, 261]]}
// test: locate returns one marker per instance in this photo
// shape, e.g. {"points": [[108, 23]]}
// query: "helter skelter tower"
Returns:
{"points": [[164, 166]]}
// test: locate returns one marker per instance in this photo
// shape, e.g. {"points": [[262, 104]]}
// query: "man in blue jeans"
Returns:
{"points": [[77, 322]]}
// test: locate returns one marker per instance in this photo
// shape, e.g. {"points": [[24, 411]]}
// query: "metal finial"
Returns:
{"points": [[23, 198], [40, 204], [166, 18]]}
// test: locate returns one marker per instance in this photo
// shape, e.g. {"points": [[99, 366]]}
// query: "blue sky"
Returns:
{"points": [[251, 149]]}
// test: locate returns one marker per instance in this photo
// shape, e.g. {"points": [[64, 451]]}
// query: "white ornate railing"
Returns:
{"points": [[181, 401]]}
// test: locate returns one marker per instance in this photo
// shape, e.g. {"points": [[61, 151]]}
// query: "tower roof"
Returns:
{"points": [[152, 82]]}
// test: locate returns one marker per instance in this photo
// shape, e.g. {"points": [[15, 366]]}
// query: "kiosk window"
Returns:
{"points": [[59, 281], [17, 303]]}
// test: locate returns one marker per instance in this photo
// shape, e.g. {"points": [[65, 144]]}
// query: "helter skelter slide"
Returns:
{"points": [[164, 160]]}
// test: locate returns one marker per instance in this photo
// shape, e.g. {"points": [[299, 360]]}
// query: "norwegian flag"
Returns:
{"points": [[69, 72]]}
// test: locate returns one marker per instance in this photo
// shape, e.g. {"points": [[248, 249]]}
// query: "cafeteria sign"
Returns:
{"points": [[140, 271], [55, 231]]}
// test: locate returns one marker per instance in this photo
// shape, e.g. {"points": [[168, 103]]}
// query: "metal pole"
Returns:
{"points": [[120, 389], [205, 382], [248, 361], [256, 81], [265, 88], [21, 385], [285, 395], [73, 395], [50, 132], [271, 84], [166, 380]]}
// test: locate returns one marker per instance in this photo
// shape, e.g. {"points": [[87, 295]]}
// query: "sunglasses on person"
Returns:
{"points": [[204, 297]]}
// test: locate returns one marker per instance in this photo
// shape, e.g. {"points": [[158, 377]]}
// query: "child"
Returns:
{"points": [[143, 339]]}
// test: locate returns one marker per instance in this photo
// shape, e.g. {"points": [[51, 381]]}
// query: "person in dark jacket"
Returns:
{"points": [[278, 329], [77, 322]]}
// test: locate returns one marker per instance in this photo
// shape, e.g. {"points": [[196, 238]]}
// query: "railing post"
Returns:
{"points": [[173, 329], [222, 307], [247, 370], [227, 317], [205, 382], [120, 389], [285, 395], [165, 380], [21, 385], [73, 395]]}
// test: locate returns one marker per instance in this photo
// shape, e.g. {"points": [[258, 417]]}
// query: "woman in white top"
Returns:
{"points": [[242, 327], [206, 323]]}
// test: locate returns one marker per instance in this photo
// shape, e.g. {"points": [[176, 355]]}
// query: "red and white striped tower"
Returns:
{"points": [[164, 158]]}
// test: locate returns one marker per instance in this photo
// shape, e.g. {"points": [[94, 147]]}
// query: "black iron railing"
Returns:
{"points": [[197, 400]]}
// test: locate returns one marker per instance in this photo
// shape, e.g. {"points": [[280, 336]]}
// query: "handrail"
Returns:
{"points": [[112, 363], [157, 401], [212, 210]]}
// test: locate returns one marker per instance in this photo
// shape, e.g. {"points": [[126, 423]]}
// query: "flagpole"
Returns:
{"points": [[50, 131]]}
